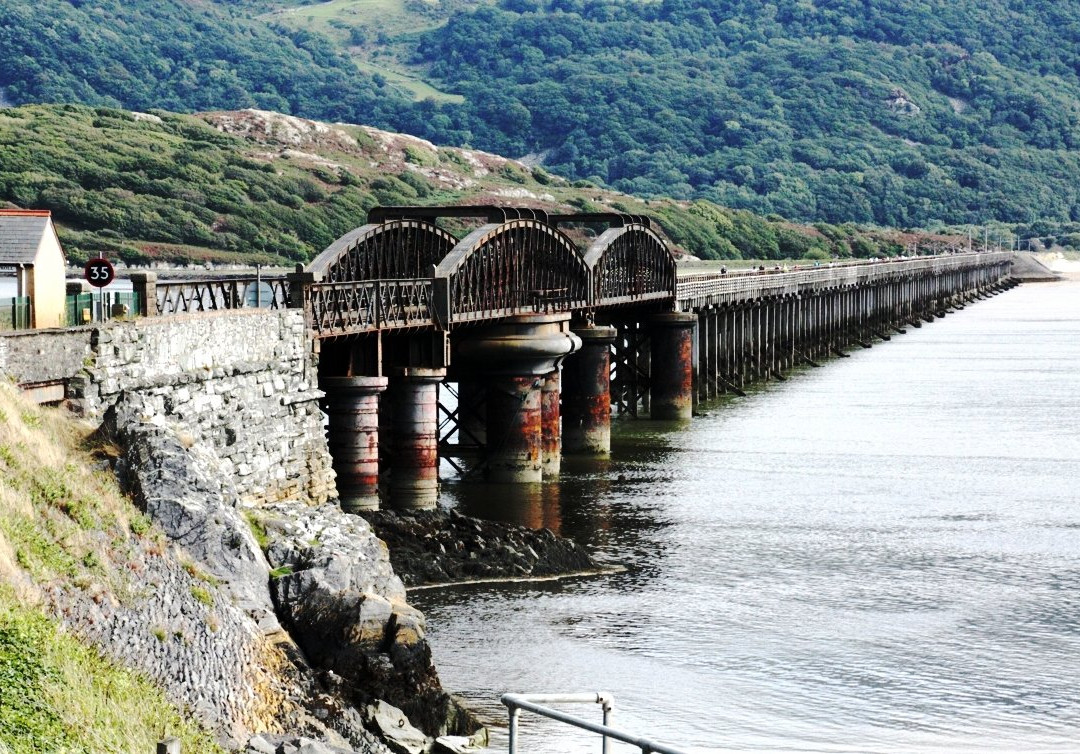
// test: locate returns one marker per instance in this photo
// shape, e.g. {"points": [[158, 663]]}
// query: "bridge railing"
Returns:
{"points": [[184, 296], [368, 305], [695, 288]]}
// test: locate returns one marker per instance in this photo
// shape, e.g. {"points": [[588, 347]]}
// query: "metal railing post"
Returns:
{"points": [[512, 730], [607, 703]]}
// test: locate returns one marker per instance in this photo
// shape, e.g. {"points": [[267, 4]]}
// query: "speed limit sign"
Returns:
{"points": [[99, 272]]}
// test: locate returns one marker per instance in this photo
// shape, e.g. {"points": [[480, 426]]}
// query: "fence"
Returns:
{"points": [[84, 308], [15, 313], [214, 294]]}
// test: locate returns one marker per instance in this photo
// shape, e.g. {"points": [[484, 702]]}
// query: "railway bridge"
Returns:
{"points": [[511, 341]]}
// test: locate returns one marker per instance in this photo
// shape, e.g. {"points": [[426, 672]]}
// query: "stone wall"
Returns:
{"points": [[34, 356], [243, 382]]}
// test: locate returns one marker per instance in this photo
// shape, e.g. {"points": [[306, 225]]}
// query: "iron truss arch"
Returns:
{"points": [[514, 267], [630, 264], [391, 250]]}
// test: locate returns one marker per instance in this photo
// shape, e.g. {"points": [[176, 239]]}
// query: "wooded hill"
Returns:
{"points": [[254, 186], [891, 112]]}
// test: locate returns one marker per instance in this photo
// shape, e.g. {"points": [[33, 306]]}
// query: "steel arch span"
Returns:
{"points": [[630, 264], [392, 250], [514, 267]]}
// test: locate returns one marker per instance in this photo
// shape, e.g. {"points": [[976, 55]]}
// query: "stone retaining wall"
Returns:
{"points": [[37, 356], [244, 382]]}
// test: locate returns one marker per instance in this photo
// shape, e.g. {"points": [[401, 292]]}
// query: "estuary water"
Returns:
{"points": [[879, 555]]}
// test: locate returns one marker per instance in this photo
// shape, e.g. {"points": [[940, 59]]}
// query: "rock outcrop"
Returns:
{"points": [[337, 592], [184, 490], [438, 547]]}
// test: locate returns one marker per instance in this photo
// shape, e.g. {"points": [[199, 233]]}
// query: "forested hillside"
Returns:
{"points": [[890, 112], [179, 56], [895, 112]]}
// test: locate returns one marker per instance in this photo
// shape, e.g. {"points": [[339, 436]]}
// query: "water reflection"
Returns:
{"points": [[588, 503]]}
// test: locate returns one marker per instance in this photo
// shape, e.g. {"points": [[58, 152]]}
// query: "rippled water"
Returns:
{"points": [[880, 555]]}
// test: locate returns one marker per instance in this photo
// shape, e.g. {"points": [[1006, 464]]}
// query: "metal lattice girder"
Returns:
{"points": [[515, 267], [630, 265], [395, 249], [368, 306], [630, 367]]}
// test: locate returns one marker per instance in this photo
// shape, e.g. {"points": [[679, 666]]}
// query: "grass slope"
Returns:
{"points": [[379, 36], [63, 522]]}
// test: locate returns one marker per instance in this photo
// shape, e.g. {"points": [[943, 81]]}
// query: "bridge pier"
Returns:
{"points": [[672, 388], [520, 355], [550, 426], [586, 421], [514, 429], [353, 438], [414, 438]]}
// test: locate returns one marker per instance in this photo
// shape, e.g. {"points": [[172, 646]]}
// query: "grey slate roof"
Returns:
{"points": [[20, 236]]}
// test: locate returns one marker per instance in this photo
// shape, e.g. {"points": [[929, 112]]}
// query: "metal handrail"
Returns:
{"points": [[532, 703]]}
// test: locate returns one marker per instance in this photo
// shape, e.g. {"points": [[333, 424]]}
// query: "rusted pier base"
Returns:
{"points": [[672, 384], [414, 458], [550, 427], [353, 437], [586, 420], [519, 356]]}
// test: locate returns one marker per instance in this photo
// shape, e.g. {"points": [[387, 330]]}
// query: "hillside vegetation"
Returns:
{"points": [[888, 112], [259, 187]]}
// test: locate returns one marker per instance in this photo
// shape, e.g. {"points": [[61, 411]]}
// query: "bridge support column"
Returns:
{"points": [[587, 394], [414, 475], [672, 376], [550, 427], [515, 426], [519, 355], [353, 437]]}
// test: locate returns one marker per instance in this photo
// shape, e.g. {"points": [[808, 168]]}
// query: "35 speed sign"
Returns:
{"points": [[99, 272]]}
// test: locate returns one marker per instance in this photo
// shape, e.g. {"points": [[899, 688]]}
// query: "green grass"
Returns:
{"points": [[63, 522], [388, 16], [277, 573], [203, 595], [258, 530], [417, 88], [60, 696], [386, 25]]}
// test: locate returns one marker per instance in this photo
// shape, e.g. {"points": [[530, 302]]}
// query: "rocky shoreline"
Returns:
{"points": [[434, 548], [320, 590]]}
